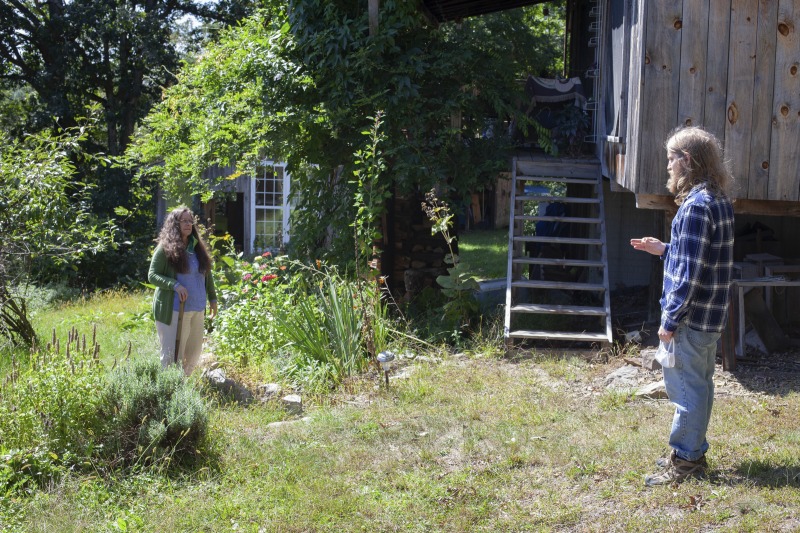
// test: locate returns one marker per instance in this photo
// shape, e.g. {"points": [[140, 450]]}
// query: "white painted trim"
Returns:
{"points": [[252, 203]]}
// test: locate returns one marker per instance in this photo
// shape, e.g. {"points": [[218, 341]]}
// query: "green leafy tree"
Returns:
{"points": [[58, 57], [297, 83], [44, 216]]}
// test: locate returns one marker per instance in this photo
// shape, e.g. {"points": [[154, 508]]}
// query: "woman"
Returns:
{"points": [[181, 271]]}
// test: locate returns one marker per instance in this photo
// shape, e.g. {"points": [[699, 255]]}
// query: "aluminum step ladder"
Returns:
{"points": [[557, 280]]}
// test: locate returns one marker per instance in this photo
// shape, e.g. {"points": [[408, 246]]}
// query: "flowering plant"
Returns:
{"points": [[250, 293]]}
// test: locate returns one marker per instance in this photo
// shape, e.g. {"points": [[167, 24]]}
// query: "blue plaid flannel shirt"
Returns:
{"points": [[698, 263]]}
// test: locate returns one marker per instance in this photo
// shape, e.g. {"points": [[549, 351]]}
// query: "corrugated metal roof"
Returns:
{"points": [[446, 10]]}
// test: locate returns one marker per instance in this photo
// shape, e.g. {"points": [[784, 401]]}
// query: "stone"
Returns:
{"points": [[293, 404], [624, 377], [218, 381], [655, 391], [268, 391], [649, 361], [287, 423]]}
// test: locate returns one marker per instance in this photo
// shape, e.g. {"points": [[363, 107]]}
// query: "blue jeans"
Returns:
{"points": [[690, 386]]}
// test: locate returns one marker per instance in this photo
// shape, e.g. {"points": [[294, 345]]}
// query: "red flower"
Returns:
{"points": [[268, 277], [266, 254]]}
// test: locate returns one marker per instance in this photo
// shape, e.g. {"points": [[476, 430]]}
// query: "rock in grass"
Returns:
{"points": [[293, 404], [655, 391], [227, 387], [268, 391]]}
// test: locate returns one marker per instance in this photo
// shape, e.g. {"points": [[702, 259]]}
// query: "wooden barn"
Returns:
{"points": [[648, 66]]}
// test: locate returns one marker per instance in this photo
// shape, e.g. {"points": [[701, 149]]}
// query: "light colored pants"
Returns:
{"points": [[690, 386], [191, 340]]}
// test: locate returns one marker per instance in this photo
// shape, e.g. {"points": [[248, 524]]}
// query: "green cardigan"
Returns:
{"points": [[163, 276]]}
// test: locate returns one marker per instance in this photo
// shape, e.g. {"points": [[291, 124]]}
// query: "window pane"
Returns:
{"points": [[269, 229], [269, 187]]}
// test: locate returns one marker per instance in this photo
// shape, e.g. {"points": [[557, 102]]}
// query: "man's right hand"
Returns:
{"points": [[650, 245]]}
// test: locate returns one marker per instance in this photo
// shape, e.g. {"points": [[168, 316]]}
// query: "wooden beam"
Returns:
{"points": [[773, 208], [741, 81], [655, 201], [694, 62], [741, 206], [716, 101], [659, 93], [633, 138], [763, 88], [374, 9]]}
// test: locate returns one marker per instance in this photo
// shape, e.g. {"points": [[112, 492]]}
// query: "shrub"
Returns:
{"points": [[277, 310], [50, 415], [153, 413], [324, 332], [250, 293]]}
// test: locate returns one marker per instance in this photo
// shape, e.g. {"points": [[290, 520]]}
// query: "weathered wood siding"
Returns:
{"points": [[730, 66], [785, 149]]}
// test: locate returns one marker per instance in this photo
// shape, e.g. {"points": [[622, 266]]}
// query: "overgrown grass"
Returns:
{"points": [[484, 253], [116, 318], [118, 321], [470, 443]]}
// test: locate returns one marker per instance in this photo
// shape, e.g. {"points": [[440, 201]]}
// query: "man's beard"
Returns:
{"points": [[672, 183]]}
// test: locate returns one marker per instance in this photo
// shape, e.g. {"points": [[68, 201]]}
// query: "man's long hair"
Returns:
{"points": [[170, 240], [702, 162]]}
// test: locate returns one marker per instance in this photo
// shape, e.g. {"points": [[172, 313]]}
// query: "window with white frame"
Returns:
{"points": [[270, 213]]}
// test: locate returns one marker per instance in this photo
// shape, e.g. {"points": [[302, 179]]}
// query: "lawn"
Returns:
{"points": [[457, 442], [485, 252]]}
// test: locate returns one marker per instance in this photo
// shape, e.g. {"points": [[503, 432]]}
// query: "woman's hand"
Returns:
{"points": [[182, 292], [650, 245], [213, 310]]}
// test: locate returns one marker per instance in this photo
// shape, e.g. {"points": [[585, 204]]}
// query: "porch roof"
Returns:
{"points": [[446, 10]]}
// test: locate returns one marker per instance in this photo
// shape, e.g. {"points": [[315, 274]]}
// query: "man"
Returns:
{"points": [[698, 262]]}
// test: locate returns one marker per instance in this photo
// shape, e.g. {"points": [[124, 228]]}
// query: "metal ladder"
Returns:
{"points": [[564, 293]]}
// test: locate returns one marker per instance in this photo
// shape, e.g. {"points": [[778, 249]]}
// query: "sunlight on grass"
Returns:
{"points": [[466, 444], [119, 318], [484, 252]]}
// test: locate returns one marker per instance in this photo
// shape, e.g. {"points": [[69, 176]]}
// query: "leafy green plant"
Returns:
{"points": [[152, 414], [572, 126], [459, 286], [250, 292], [44, 214], [297, 83], [324, 330], [370, 198], [50, 413]]}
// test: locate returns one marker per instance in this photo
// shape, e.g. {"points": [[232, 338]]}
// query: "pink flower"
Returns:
{"points": [[247, 276], [266, 254]]}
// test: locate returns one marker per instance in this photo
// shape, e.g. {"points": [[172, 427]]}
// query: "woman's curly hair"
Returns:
{"points": [[170, 240]]}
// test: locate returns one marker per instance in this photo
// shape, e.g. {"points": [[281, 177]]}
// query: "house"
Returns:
{"points": [[730, 66], [252, 208]]}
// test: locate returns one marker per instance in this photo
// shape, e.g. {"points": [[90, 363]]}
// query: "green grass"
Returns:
{"points": [[116, 319], [467, 444], [485, 252]]}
